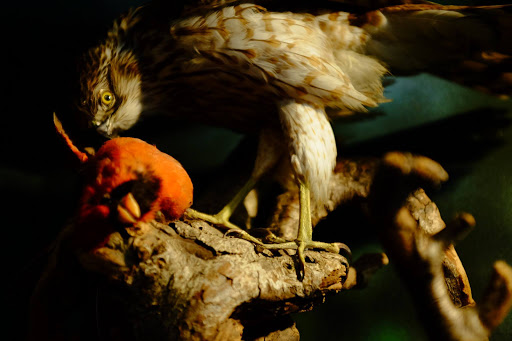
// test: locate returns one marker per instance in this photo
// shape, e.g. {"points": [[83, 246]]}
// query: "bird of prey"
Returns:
{"points": [[282, 73]]}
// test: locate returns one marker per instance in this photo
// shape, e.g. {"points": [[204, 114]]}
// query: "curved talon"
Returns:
{"points": [[302, 260], [300, 245], [232, 231], [344, 247], [245, 235], [301, 271], [272, 238], [228, 232]]}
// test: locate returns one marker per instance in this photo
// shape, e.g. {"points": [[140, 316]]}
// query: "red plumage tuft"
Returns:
{"points": [[160, 182], [124, 159], [118, 162]]}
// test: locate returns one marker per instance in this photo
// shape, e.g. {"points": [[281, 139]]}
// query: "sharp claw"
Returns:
{"points": [[231, 232], [244, 235], [128, 209], [302, 260], [344, 249], [301, 270]]}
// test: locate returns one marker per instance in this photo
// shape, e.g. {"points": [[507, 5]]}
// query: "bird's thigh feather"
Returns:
{"points": [[311, 145]]}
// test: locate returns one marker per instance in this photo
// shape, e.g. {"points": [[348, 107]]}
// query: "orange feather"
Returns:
{"points": [[118, 162], [123, 159]]}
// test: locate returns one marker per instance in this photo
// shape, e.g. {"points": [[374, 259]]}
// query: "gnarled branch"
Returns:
{"points": [[188, 281]]}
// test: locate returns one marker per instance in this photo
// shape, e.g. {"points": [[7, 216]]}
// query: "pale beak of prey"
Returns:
{"points": [[105, 128]]}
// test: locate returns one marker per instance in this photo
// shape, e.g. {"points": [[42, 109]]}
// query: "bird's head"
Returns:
{"points": [[110, 82]]}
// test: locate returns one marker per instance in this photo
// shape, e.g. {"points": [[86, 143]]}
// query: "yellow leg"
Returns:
{"points": [[305, 234], [223, 216]]}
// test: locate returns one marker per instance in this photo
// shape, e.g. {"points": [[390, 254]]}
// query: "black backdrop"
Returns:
{"points": [[464, 130]]}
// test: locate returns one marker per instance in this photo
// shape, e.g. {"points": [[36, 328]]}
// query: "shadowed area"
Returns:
{"points": [[467, 132]]}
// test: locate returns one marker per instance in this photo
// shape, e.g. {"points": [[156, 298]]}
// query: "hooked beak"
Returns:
{"points": [[128, 210], [105, 128]]}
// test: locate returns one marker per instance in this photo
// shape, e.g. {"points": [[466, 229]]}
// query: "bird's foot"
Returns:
{"points": [[222, 219], [264, 235], [303, 245], [223, 216], [304, 239], [276, 243]]}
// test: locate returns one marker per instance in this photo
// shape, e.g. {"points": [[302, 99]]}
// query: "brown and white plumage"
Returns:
{"points": [[280, 74], [257, 58]]}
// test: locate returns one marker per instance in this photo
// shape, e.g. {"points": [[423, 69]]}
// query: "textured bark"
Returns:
{"points": [[422, 249], [417, 241], [188, 281]]}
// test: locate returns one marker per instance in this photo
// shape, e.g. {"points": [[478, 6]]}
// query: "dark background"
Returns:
{"points": [[467, 132]]}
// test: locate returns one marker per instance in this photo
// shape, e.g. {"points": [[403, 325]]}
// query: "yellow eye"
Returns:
{"points": [[107, 98]]}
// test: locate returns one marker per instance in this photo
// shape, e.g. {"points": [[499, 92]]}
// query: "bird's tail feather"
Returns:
{"points": [[471, 45]]}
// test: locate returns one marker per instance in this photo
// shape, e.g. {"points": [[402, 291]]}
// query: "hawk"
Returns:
{"points": [[282, 73]]}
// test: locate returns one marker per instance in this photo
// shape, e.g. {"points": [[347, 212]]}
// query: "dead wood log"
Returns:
{"points": [[416, 239], [422, 249], [188, 281]]}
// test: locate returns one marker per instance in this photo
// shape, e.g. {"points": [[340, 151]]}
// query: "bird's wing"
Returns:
{"points": [[285, 52], [193, 7], [471, 45]]}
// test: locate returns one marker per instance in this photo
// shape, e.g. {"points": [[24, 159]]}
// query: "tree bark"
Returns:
{"points": [[188, 281]]}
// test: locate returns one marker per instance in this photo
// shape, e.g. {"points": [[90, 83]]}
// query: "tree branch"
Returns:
{"points": [[422, 249], [188, 281]]}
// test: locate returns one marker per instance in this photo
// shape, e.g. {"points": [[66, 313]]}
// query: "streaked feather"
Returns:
{"points": [[233, 63]]}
